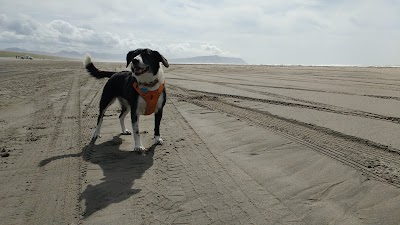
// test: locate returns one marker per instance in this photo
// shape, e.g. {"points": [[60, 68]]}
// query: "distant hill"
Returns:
{"points": [[70, 54], [15, 50], [214, 59], [41, 54], [12, 53], [95, 55]]}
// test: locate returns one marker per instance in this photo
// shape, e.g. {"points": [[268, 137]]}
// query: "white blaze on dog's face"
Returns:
{"points": [[145, 64], [138, 67]]}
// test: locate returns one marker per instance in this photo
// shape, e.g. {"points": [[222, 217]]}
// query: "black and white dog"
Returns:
{"points": [[141, 91]]}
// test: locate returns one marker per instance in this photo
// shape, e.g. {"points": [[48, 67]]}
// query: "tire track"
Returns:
{"points": [[186, 183], [180, 182], [31, 91], [59, 180], [41, 179], [314, 90], [373, 159], [317, 106], [313, 105], [88, 117], [266, 76], [243, 207], [42, 131], [285, 88]]}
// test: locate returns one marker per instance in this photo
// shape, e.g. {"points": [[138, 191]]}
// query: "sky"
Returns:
{"points": [[309, 32]]}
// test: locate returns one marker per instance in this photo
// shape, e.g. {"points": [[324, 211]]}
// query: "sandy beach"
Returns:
{"points": [[243, 145]]}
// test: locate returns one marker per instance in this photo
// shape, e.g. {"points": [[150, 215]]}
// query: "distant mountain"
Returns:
{"points": [[108, 56], [69, 54], [15, 50], [213, 59], [72, 54], [95, 55]]}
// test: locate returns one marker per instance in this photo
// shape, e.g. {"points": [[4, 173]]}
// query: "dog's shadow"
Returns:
{"points": [[120, 170]]}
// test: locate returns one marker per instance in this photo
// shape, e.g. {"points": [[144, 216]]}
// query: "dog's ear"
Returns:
{"points": [[131, 55], [161, 59]]}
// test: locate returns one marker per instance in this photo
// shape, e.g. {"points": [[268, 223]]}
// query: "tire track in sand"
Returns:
{"points": [[229, 84], [373, 159], [59, 179], [300, 103], [180, 182]]}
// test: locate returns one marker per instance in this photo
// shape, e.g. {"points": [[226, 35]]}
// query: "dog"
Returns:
{"points": [[140, 91]]}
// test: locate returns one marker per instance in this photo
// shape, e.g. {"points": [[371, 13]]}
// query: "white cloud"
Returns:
{"points": [[178, 50], [212, 48], [273, 31], [60, 35]]}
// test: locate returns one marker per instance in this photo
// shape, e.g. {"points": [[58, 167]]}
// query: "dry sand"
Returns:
{"points": [[243, 145]]}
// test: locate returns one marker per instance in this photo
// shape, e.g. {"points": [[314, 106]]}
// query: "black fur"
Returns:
{"points": [[150, 57], [98, 73], [120, 86]]}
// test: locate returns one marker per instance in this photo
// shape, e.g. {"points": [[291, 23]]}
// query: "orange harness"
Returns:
{"points": [[151, 97]]}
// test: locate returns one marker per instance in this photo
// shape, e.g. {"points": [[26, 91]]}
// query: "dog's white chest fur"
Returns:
{"points": [[148, 78]]}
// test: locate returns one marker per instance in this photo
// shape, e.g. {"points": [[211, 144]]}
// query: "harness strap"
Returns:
{"points": [[151, 97]]}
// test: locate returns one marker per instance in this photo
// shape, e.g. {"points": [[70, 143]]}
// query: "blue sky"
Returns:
{"points": [[261, 32]]}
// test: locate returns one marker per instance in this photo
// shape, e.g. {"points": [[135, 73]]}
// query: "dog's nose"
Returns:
{"points": [[135, 61]]}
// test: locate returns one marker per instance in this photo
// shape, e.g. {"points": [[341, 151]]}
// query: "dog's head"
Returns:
{"points": [[145, 61]]}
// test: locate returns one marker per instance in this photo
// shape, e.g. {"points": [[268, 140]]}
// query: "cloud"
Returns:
{"points": [[212, 48], [23, 27], [60, 35], [260, 31], [65, 32], [178, 50]]}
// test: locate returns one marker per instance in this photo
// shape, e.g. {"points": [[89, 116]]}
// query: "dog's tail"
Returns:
{"points": [[93, 70]]}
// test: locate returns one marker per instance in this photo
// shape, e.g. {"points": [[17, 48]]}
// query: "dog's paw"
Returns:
{"points": [[139, 149], [158, 140], [95, 136], [126, 132]]}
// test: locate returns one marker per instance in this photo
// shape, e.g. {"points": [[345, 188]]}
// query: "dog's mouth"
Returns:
{"points": [[139, 71]]}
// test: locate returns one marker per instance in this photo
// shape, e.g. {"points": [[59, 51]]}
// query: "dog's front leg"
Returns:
{"points": [[136, 135], [157, 138]]}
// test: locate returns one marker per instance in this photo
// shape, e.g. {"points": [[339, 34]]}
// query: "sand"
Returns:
{"points": [[243, 145]]}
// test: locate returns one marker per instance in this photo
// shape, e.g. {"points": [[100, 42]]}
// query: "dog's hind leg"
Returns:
{"points": [[105, 102], [157, 138], [125, 109]]}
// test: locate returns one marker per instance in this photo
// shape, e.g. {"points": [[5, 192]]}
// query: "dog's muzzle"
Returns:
{"points": [[139, 71]]}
